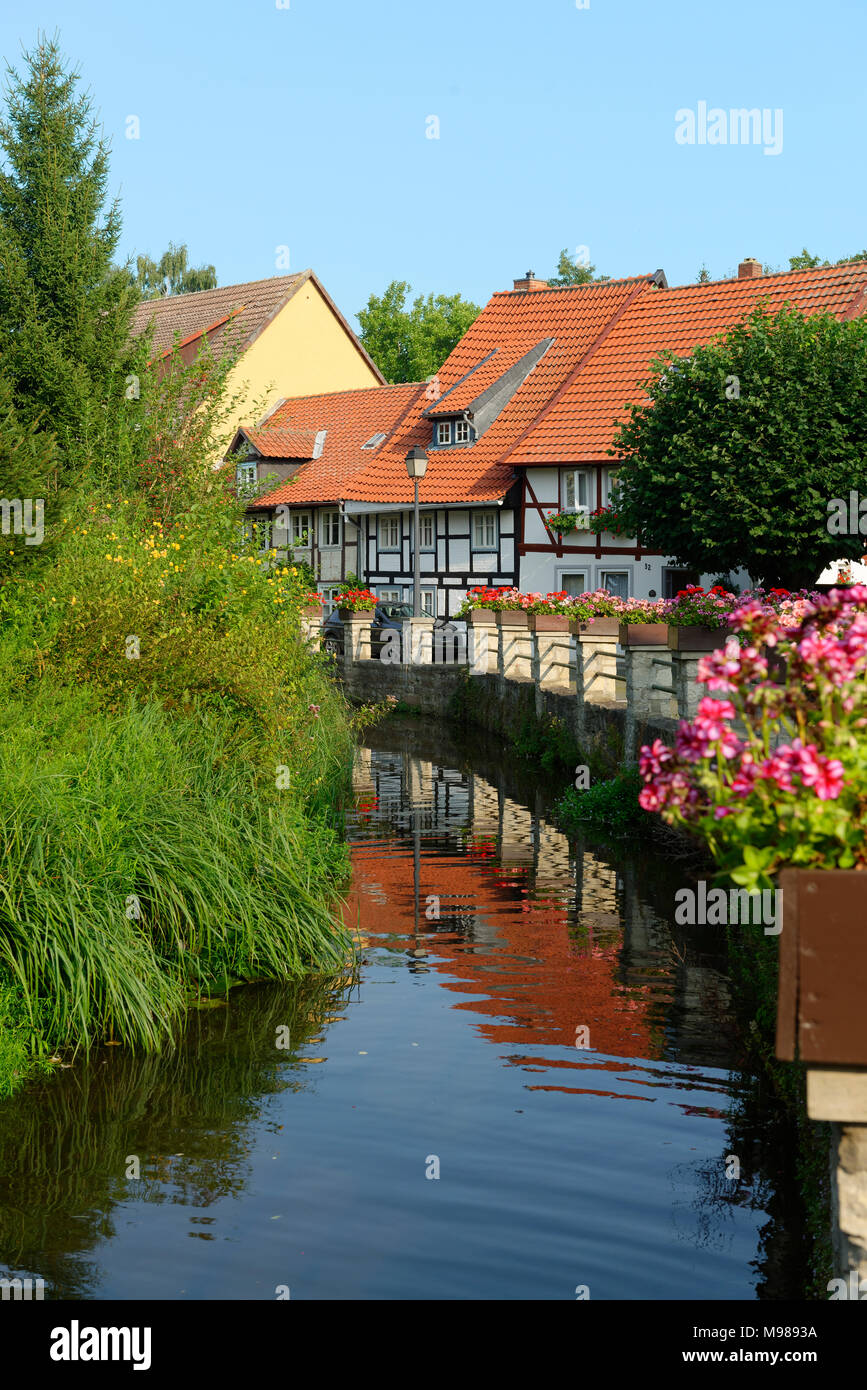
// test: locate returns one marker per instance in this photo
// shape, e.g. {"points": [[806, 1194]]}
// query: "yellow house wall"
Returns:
{"points": [[304, 351]]}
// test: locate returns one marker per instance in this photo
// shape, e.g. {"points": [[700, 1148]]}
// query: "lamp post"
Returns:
{"points": [[416, 467]]}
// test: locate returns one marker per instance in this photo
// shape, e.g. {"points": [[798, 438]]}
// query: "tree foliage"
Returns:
{"points": [[571, 271], [65, 311], [172, 274], [411, 343], [741, 447]]}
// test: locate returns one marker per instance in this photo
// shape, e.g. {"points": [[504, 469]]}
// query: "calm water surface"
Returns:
{"points": [[489, 942]]}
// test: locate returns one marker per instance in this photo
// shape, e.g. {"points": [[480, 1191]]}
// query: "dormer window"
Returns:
{"points": [[444, 432], [462, 432]]}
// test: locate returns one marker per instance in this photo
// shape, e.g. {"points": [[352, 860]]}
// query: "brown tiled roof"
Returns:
{"points": [[190, 315], [245, 310], [349, 419]]}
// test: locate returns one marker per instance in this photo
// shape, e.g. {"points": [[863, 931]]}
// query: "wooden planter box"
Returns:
{"points": [[643, 634], [482, 617], [549, 622], [685, 638], [823, 967], [600, 627], [361, 615], [513, 617]]}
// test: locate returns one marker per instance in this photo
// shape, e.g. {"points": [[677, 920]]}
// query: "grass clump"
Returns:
{"points": [[611, 805]]}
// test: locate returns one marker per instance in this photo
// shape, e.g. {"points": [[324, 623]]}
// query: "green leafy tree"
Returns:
{"points": [[65, 312], [571, 271], [742, 446], [411, 343], [806, 261], [172, 274]]}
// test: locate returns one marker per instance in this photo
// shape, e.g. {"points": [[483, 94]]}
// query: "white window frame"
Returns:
{"points": [[324, 528], [613, 569], [385, 521], [427, 519], [480, 519], [246, 477], [328, 591], [428, 602], [571, 483], [462, 431], [608, 478], [563, 575], [444, 431], [300, 525], [388, 595]]}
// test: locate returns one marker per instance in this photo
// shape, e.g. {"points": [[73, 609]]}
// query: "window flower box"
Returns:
{"points": [[512, 617], [564, 522], [482, 617]]}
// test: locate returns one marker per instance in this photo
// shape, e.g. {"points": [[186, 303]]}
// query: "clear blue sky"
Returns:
{"points": [[305, 127]]}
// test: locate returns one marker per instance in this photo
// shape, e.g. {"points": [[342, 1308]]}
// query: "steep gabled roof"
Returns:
{"points": [[245, 310], [573, 318], [579, 427], [348, 419]]}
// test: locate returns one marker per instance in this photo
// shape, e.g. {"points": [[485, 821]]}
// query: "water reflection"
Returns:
{"points": [[489, 942]]}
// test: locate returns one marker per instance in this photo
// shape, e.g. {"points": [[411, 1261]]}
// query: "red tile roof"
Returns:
{"points": [[605, 335], [483, 375], [281, 441], [574, 317], [349, 419], [579, 427]]}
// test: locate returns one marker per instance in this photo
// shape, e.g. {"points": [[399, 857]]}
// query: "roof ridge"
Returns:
{"points": [[755, 279], [586, 285], [353, 391], [214, 289]]}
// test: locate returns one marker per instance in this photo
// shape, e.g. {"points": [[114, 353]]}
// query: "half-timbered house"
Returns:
{"points": [[518, 424]]}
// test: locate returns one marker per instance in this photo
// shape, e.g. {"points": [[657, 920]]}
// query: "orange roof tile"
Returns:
{"points": [[281, 441], [488, 371], [574, 317], [349, 419], [579, 427]]}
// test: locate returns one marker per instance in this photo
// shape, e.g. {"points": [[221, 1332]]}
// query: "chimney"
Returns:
{"points": [[530, 282], [749, 269]]}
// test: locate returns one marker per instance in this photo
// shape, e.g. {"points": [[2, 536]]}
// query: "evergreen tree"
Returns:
{"points": [[65, 311]]}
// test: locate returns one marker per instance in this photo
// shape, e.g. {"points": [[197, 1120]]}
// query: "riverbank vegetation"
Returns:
{"points": [[173, 758]]}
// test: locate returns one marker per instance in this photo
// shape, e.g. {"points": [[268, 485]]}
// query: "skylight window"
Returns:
{"points": [[373, 441]]}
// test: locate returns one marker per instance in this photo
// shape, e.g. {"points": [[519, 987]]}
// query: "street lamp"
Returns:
{"points": [[416, 467]]}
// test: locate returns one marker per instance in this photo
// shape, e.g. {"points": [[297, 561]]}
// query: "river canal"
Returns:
{"points": [[530, 1091]]}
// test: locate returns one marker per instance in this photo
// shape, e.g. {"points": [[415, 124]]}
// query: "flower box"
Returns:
{"points": [[599, 627], [513, 617], [482, 617], [549, 622], [312, 610], [644, 634], [361, 615], [683, 637], [823, 967]]}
